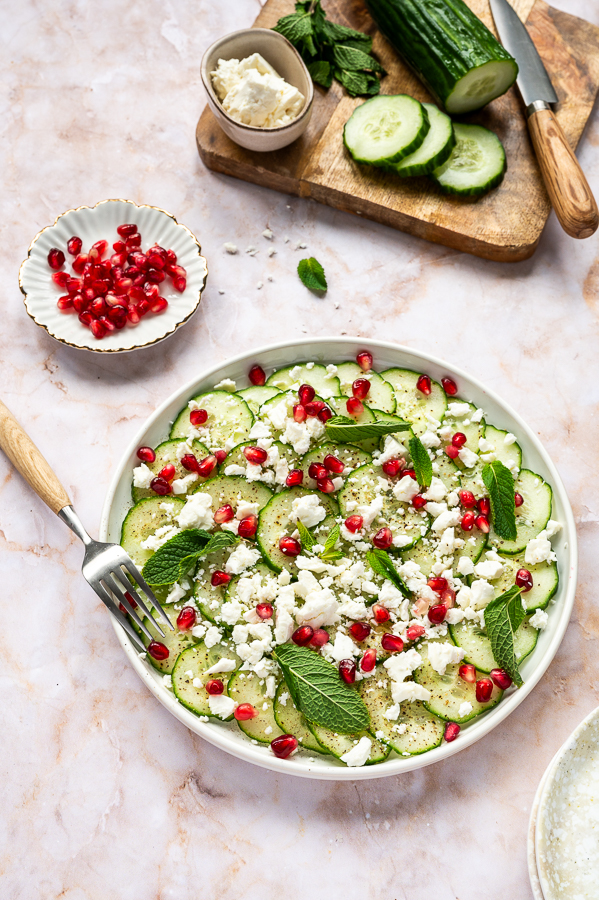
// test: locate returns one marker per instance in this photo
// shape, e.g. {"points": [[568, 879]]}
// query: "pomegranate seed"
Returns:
{"points": [[119, 246], [501, 678], [482, 523], [283, 746], [55, 258], [306, 394], [524, 580], [302, 635], [459, 439], [108, 325], [215, 686], [448, 598], [86, 317], [159, 305], [299, 413], [359, 630], [452, 729], [180, 284], [411, 473], [518, 499], [467, 522], [198, 417], [219, 578], [133, 241], [221, 455], [244, 711], [438, 585], [101, 247], [117, 260], [255, 455], [320, 638], [452, 451], [157, 650], [224, 514], [160, 486], [333, 464], [295, 478], [418, 502], [190, 463], [98, 306], [484, 506], [289, 546], [97, 329], [354, 523], [468, 499], [88, 294], [133, 316], [186, 618], [317, 471], [248, 526], [171, 257], [449, 386], [392, 643], [157, 257], [136, 294], [436, 614], [314, 407], [206, 466], [393, 467], [383, 539], [130, 600], [126, 230], [257, 375], [176, 271], [143, 306], [61, 279], [484, 689], [347, 670], [325, 485], [79, 263], [368, 661], [168, 472], [152, 292], [360, 388], [365, 360], [74, 245], [354, 406], [325, 414], [424, 385], [380, 614], [118, 315], [264, 610], [65, 302], [467, 673], [414, 632]]}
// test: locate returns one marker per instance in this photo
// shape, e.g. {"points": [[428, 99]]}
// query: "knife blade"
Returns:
{"points": [[568, 189]]}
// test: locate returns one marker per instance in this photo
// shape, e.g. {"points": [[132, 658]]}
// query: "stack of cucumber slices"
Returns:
{"points": [[374, 582]]}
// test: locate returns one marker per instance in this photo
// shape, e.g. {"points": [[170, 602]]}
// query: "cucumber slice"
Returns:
{"points": [[246, 687], [349, 454], [477, 163], [291, 721], [339, 744], [326, 385], [415, 731], [380, 394], [385, 129], [531, 517], [234, 489], [176, 641], [434, 150], [196, 660], [339, 407], [228, 417], [144, 519], [545, 581], [209, 599], [449, 691], [509, 454], [256, 395], [474, 641], [166, 453], [445, 469], [274, 524], [412, 405]]}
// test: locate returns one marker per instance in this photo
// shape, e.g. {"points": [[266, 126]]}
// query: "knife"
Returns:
{"points": [[568, 189]]}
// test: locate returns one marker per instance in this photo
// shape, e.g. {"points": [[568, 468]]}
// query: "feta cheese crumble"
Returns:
{"points": [[253, 93]]}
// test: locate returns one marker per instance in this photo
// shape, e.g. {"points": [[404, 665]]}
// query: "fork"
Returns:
{"points": [[107, 568]]}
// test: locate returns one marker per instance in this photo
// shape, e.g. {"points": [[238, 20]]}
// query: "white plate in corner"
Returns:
{"points": [[99, 222]]}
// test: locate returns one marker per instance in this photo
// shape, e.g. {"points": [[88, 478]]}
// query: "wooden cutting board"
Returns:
{"points": [[506, 224]]}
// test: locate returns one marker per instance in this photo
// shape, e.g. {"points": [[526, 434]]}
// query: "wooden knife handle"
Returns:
{"points": [[27, 459], [568, 189]]}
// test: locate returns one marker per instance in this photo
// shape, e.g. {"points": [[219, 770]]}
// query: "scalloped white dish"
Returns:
{"points": [[100, 222], [335, 350]]}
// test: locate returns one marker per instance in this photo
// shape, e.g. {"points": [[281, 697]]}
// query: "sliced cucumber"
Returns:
{"points": [[412, 404], [477, 646], [233, 490], [339, 744], [385, 129], [477, 163], [144, 519], [192, 664], [531, 517], [509, 454], [209, 599], [415, 731], [228, 417], [349, 454], [326, 385], [434, 150], [246, 687], [380, 394], [256, 395], [449, 691], [475, 542], [339, 406], [274, 523], [176, 641], [422, 553], [445, 469], [167, 453], [545, 580], [291, 721]]}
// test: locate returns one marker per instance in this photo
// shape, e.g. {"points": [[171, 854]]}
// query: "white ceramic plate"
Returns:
{"points": [[227, 736], [567, 830], [531, 853], [100, 222]]}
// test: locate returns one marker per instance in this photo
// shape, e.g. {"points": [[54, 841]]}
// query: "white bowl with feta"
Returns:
{"points": [[259, 88], [252, 605]]}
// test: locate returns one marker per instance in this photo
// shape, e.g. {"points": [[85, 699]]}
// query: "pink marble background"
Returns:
{"points": [[104, 794]]}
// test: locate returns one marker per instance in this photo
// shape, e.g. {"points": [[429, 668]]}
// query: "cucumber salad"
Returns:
{"points": [[354, 563]]}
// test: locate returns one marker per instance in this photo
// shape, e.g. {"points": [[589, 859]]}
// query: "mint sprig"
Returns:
{"points": [[312, 274], [176, 557], [421, 462], [342, 429], [503, 617], [319, 693], [329, 553], [381, 563], [500, 484], [307, 539]]}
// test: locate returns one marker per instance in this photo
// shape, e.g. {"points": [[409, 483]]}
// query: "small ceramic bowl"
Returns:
{"points": [[288, 63]]}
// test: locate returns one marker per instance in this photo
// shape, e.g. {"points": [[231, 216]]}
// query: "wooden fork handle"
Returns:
{"points": [[27, 459]]}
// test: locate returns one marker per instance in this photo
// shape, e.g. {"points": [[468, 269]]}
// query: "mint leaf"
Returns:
{"points": [[503, 617], [354, 60], [355, 83], [306, 538], [296, 27], [339, 33], [321, 73], [175, 558], [342, 429], [500, 485], [381, 563], [329, 553], [421, 462], [318, 691], [219, 541], [312, 274]]}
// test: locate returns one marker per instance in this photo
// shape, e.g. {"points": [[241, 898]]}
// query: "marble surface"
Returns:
{"points": [[104, 794]]}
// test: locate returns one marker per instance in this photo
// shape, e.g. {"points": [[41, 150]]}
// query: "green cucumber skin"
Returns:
{"points": [[472, 191], [405, 151], [441, 40], [426, 168]]}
